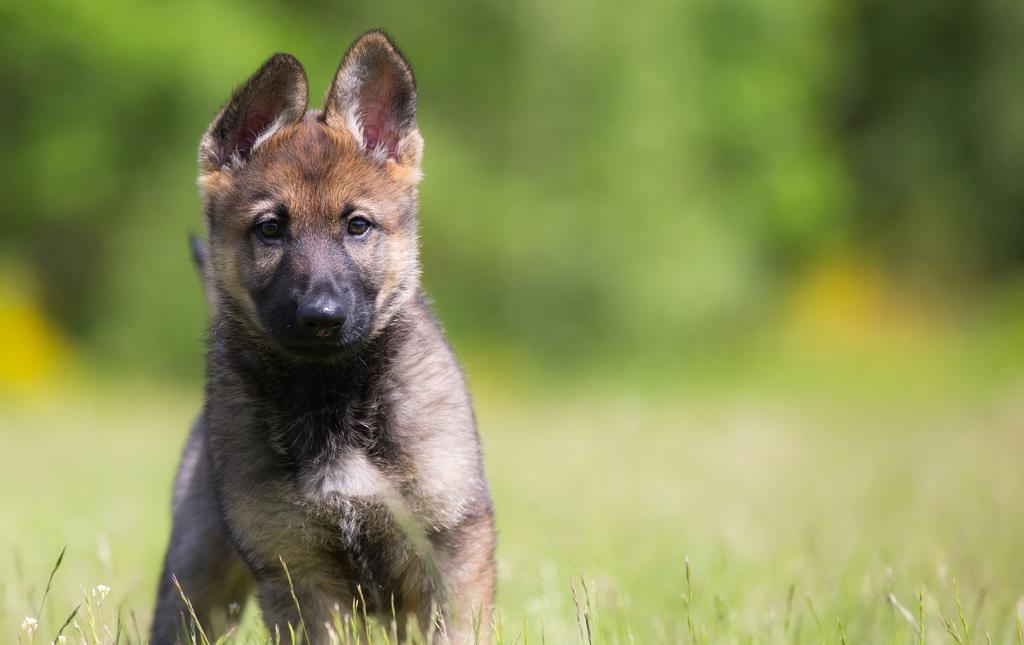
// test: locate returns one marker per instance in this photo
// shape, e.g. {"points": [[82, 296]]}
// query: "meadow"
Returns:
{"points": [[735, 511], [739, 286]]}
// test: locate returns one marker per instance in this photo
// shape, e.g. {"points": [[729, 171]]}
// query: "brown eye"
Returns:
{"points": [[270, 229], [358, 226]]}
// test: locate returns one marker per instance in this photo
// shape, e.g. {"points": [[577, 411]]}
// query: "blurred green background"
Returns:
{"points": [[738, 280], [608, 188]]}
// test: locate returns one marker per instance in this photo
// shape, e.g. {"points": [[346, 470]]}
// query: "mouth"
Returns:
{"points": [[319, 351], [312, 345]]}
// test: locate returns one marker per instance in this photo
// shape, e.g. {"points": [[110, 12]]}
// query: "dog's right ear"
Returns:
{"points": [[200, 253], [274, 96]]}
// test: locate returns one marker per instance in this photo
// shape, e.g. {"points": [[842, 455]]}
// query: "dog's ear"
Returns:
{"points": [[200, 253], [373, 97], [201, 258], [274, 96]]}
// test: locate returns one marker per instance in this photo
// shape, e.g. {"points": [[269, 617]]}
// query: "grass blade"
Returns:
{"points": [[71, 617], [960, 610], [49, 583], [817, 620], [192, 612], [951, 629], [689, 602], [920, 614], [842, 632], [903, 611], [295, 599]]}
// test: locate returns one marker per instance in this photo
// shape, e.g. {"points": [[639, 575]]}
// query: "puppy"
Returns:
{"points": [[337, 442]]}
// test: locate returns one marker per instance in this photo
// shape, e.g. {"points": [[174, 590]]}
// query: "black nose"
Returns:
{"points": [[322, 316]]}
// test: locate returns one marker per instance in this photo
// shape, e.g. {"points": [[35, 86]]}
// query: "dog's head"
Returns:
{"points": [[312, 216]]}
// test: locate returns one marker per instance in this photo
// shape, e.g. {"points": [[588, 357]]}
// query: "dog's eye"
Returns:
{"points": [[270, 229], [358, 226]]}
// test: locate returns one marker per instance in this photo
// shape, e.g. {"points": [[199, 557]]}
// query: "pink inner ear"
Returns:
{"points": [[256, 119], [380, 129], [378, 116]]}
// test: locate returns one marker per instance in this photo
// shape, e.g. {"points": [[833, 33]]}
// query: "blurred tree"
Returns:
{"points": [[934, 135], [601, 178]]}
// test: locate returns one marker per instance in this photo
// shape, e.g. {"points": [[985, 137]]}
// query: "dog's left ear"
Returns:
{"points": [[373, 97]]}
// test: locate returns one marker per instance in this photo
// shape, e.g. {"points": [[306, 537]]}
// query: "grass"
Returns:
{"points": [[701, 516]]}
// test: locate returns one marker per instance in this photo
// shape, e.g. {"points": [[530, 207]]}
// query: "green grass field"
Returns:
{"points": [[805, 518]]}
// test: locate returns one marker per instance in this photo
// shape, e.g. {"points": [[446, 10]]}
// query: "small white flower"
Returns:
{"points": [[61, 639], [29, 625], [234, 608], [101, 592]]}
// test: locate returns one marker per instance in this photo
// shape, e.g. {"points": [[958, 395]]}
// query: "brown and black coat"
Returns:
{"points": [[338, 436]]}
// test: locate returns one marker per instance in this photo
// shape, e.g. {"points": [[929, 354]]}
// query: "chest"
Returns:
{"points": [[337, 521], [349, 475]]}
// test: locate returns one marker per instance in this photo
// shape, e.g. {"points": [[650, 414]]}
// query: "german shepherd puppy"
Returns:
{"points": [[337, 438]]}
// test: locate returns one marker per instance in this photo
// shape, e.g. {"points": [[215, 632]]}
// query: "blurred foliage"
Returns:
{"points": [[601, 178]]}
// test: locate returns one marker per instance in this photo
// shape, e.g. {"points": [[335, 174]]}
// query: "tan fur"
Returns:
{"points": [[360, 468]]}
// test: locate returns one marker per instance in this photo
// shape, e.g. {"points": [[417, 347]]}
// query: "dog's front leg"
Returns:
{"points": [[200, 556], [467, 575], [309, 610]]}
